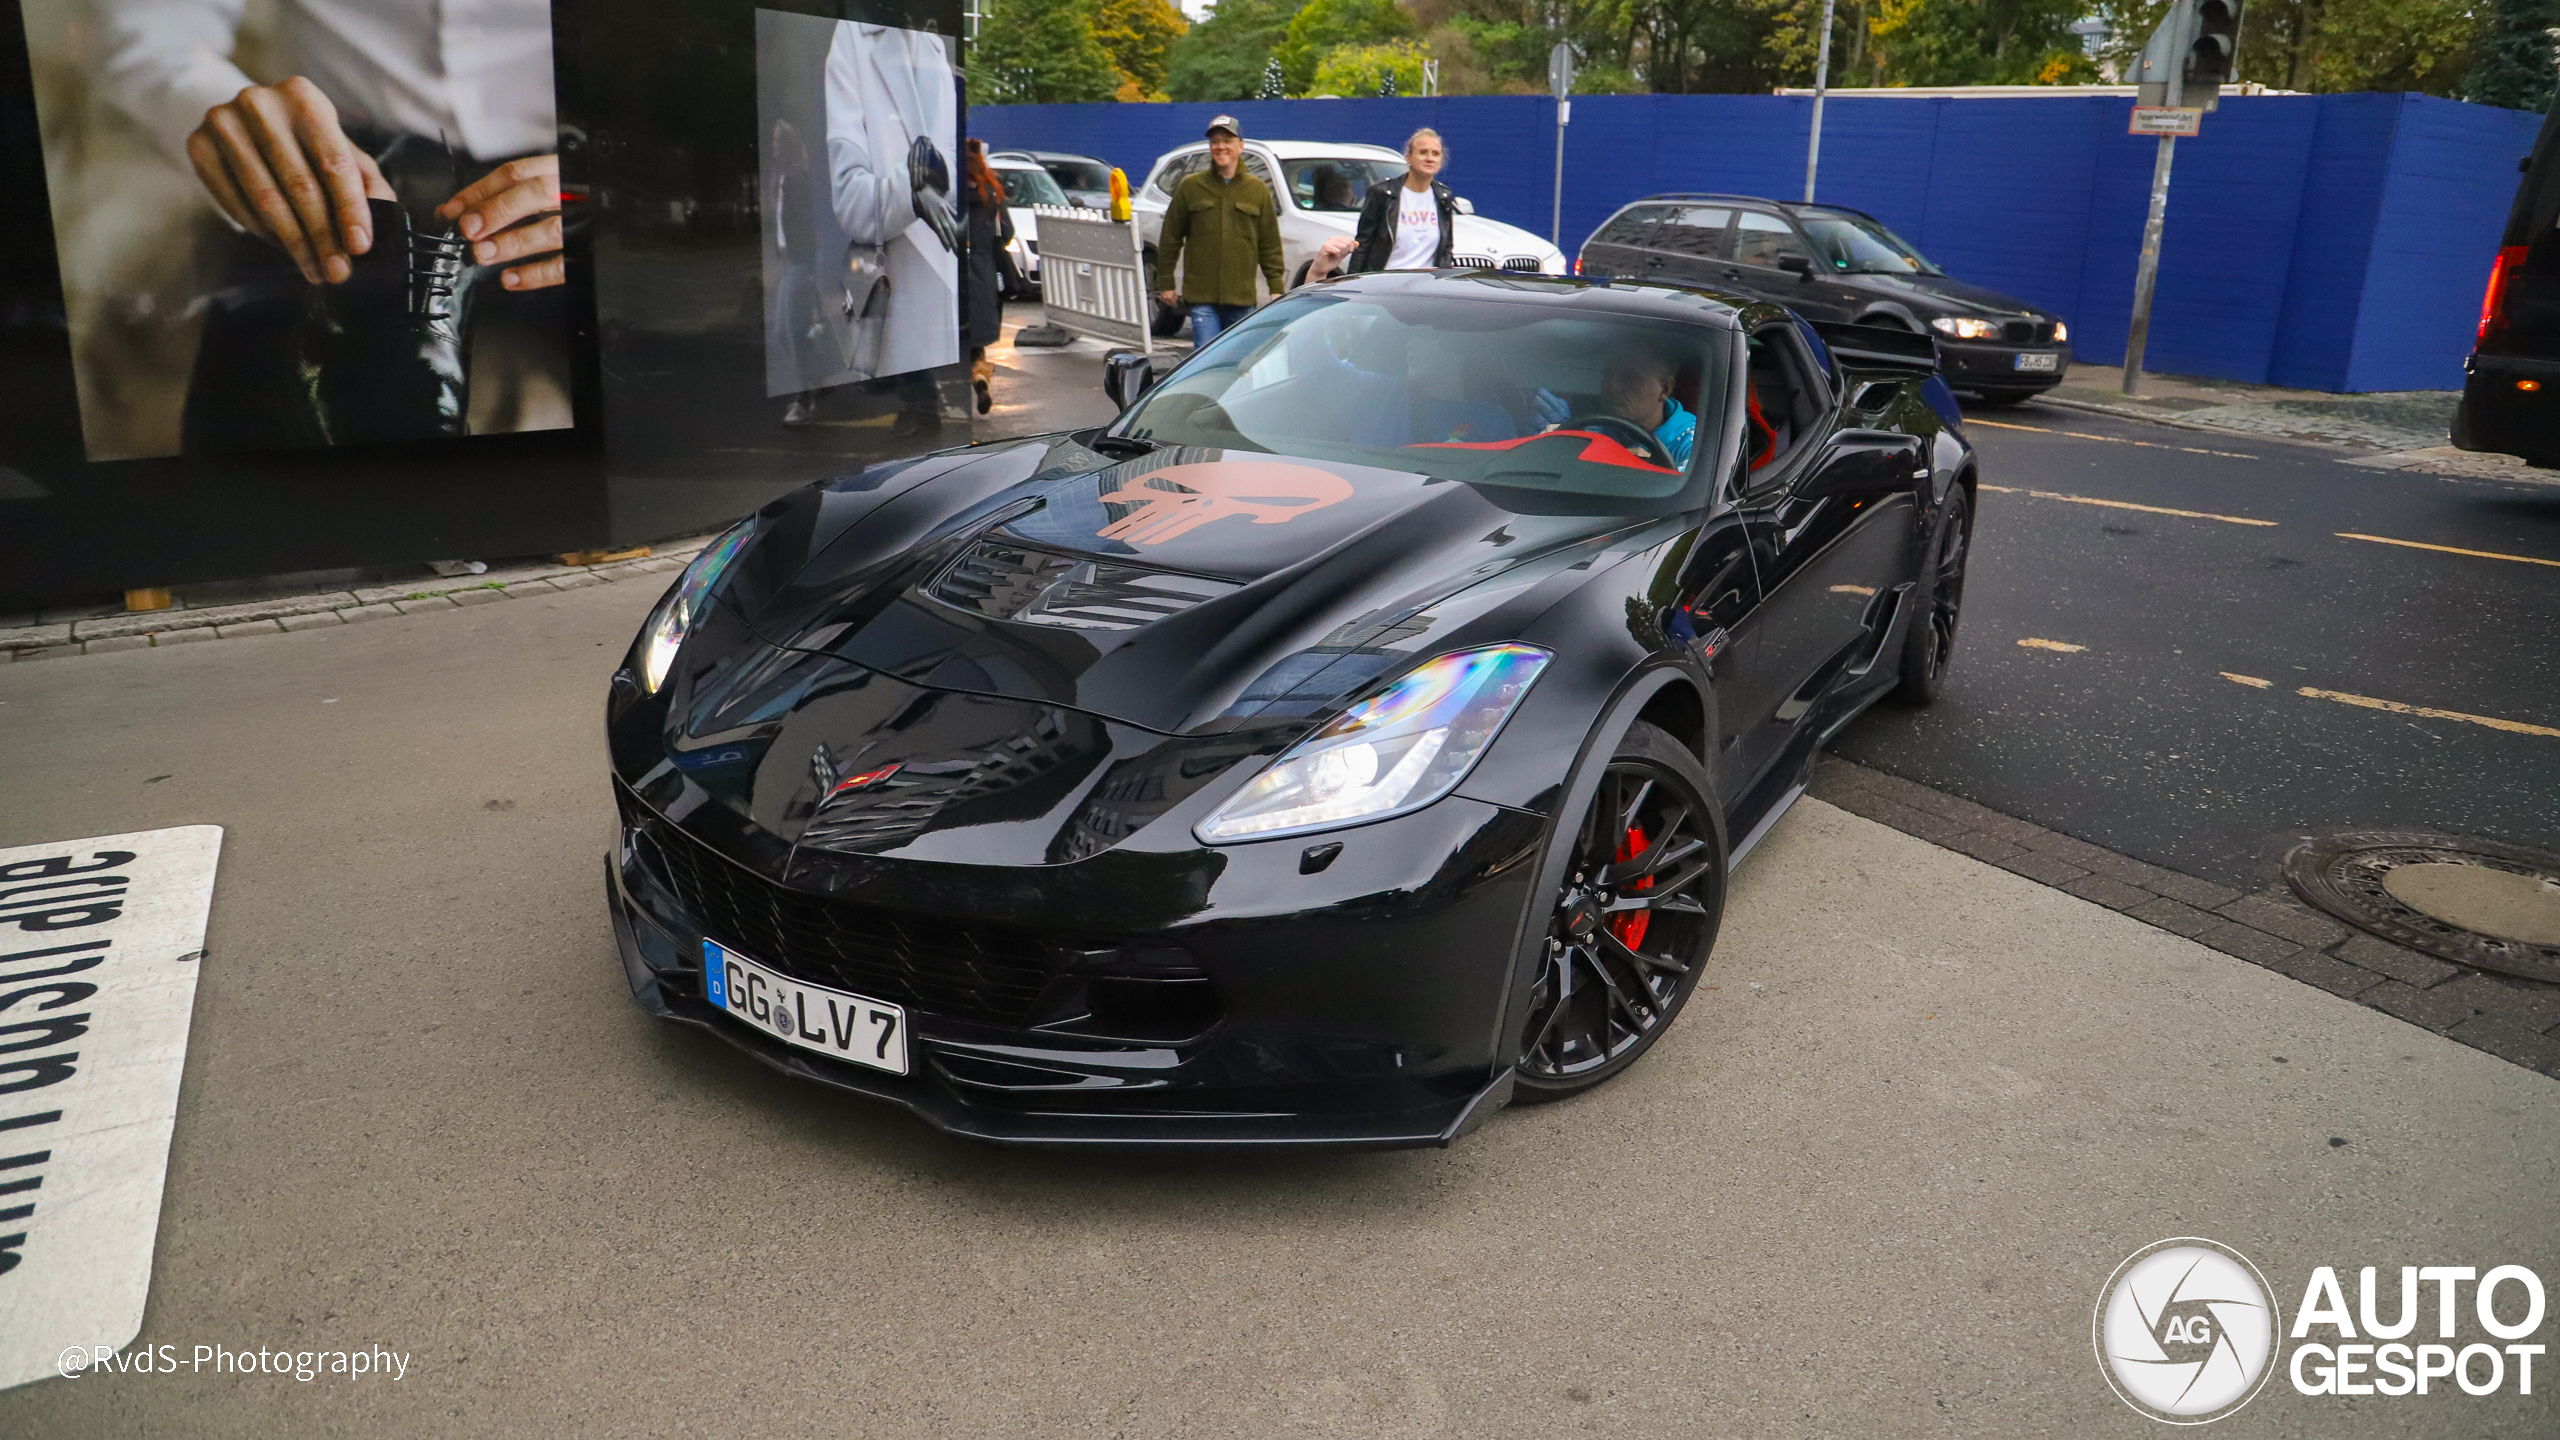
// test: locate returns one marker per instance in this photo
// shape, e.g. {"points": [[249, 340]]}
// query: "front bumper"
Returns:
{"points": [[1973, 364], [1356, 1021]]}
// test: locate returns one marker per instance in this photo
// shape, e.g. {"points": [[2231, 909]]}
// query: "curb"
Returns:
{"points": [[107, 634], [2513, 1019]]}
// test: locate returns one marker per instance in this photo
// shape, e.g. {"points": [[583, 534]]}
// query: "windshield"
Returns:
{"points": [[1079, 174], [1030, 187], [1337, 185], [1562, 414], [1857, 245]]}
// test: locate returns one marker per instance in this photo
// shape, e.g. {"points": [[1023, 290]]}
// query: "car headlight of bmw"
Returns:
{"points": [[1396, 751], [2061, 332], [686, 605], [1955, 328]]}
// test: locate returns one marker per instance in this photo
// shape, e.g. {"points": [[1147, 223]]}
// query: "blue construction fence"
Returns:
{"points": [[2320, 242]]}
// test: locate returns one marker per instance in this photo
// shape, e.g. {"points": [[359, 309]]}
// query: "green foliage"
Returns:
{"points": [[1040, 52], [1138, 35], [2511, 61], [1223, 57], [1974, 42], [1325, 25], [2422, 45], [1364, 69]]}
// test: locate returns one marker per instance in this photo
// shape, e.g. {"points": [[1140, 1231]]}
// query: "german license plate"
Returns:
{"points": [[2038, 362], [834, 1023]]}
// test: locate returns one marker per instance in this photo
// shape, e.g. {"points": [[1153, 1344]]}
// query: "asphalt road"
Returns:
{"points": [[2139, 739], [1869, 1186]]}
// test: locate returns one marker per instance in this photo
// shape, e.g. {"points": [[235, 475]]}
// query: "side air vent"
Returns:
{"points": [[1004, 581]]}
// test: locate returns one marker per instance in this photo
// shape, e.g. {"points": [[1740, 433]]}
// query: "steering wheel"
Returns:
{"points": [[1636, 438]]}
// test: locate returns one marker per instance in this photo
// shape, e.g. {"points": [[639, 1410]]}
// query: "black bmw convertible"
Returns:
{"points": [[1353, 737]]}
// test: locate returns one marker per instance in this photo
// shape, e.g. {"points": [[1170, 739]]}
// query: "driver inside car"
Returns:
{"points": [[1635, 388]]}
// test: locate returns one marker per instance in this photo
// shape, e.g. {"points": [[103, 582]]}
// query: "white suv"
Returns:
{"points": [[1320, 185]]}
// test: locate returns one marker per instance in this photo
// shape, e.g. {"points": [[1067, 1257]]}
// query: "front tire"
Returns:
{"points": [[1929, 645], [1631, 928]]}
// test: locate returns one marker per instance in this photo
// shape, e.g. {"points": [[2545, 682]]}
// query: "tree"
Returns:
{"points": [[2422, 45], [2512, 60], [1040, 52], [1324, 24], [1274, 86], [1391, 68], [1222, 57], [1138, 35]]}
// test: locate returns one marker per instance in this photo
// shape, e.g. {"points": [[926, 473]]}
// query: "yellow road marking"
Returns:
{"points": [[2057, 645], [2249, 680], [2149, 509], [2111, 439], [1853, 589], [2003, 489], [2450, 549], [2396, 708]]}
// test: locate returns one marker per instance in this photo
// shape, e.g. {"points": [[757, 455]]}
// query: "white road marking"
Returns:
{"points": [[100, 942]]}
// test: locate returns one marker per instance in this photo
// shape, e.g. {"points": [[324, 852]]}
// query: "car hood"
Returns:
{"points": [[1948, 295], [1183, 589]]}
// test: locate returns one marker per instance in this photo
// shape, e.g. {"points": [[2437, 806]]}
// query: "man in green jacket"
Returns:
{"points": [[1231, 225]]}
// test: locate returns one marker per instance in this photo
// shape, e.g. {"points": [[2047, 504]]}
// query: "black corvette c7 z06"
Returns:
{"points": [[1352, 737]]}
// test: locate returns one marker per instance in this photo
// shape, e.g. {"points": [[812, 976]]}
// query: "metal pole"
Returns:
{"points": [[1821, 83], [1555, 225], [2148, 270]]}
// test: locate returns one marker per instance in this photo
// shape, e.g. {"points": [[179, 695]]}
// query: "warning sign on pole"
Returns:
{"points": [[2164, 120]]}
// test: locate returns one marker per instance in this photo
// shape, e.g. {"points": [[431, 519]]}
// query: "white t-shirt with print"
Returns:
{"points": [[1417, 229]]}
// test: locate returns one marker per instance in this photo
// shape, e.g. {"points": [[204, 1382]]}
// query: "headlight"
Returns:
{"points": [[1967, 329], [1398, 750], [2061, 332], [686, 605]]}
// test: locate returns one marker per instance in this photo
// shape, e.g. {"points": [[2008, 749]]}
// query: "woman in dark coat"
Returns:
{"points": [[982, 293]]}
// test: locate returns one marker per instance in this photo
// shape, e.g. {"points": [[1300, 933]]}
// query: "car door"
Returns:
{"points": [[1687, 243], [1831, 570], [1716, 616], [1764, 244], [1621, 247]]}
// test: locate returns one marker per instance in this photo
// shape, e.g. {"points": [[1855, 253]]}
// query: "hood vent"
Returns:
{"points": [[1005, 581]]}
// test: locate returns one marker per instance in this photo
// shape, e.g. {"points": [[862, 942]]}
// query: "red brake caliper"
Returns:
{"points": [[1630, 928]]}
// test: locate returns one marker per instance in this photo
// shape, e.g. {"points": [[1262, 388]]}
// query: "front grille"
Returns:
{"points": [[959, 969], [1527, 264], [2027, 332]]}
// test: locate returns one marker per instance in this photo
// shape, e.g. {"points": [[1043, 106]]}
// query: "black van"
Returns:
{"points": [[1828, 262], [2511, 390]]}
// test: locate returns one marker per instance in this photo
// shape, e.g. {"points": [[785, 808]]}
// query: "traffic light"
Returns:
{"points": [[2213, 52]]}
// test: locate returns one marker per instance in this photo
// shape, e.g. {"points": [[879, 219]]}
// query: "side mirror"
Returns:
{"points": [[1126, 376], [1796, 265], [1466, 206], [1866, 465]]}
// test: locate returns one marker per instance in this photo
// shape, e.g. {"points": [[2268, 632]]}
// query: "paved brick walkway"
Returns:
{"points": [[2513, 1019]]}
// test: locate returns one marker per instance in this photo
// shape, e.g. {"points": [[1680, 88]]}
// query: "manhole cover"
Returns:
{"points": [[2473, 902]]}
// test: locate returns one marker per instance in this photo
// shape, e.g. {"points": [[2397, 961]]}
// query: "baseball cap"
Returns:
{"points": [[1226, 123]]}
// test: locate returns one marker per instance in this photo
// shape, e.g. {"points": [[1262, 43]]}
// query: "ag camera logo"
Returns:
{"points": [[2186, 1331]]}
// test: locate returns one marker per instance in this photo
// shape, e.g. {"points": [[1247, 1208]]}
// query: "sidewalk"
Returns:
{"points": [[2391, 430]]}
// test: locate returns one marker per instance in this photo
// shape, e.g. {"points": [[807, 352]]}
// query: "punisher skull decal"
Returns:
{"points": [[1268, 491]]}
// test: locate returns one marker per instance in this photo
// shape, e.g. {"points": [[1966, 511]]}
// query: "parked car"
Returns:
{"points": [[2511, 383], [1354, 736], [1026, 184], [1320, 185], [1086, 181], [1828, 262]]}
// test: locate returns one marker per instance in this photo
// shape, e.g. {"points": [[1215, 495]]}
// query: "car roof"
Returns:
{"points": [[1787, 207], [1009, 162], [1302, 150], [1565, 293], [1047, 155]]}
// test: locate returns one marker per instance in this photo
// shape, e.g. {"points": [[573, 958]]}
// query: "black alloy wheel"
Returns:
{"points": [[1633, 924], [1930, 645]]}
